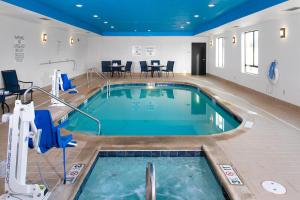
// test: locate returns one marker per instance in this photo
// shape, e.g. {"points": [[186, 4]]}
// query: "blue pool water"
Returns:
{"points": [[141, 110], [177, 178]]}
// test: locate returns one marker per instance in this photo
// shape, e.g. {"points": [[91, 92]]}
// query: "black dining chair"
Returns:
{"points": [[106, 66], [127, 68], [118, 62], [169, 68], [155, 61], [12, 83], [144, 68]]}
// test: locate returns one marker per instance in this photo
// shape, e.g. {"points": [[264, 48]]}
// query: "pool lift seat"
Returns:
{"points": [[50, 136], [34, 129], [67, 85]]}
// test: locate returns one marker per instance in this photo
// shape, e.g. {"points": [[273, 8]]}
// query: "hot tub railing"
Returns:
{"points": [[150, 182], [63, 102]]}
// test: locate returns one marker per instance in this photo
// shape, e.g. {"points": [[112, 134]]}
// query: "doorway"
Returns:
{"points": [[198, 58]]}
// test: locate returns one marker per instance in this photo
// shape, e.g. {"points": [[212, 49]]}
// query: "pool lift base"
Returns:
{"points": [[56, 83], [21, 129]]}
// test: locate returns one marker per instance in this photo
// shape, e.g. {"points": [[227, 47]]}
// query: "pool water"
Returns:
{"points": [[177, 178], [143, 110]]}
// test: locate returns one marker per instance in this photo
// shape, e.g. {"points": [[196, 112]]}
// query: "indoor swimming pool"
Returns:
{"points": [[153, 110], [179, 175]]}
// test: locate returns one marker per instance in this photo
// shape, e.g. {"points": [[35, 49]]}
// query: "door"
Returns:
{"points": [[198, 58]]}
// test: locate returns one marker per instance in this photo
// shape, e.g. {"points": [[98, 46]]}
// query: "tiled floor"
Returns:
{"points": [[268, 151]]}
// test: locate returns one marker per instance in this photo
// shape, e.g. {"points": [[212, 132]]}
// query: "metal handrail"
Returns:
{"points": [[63, 102], [150, 182], [103, 77], [60, 61]]}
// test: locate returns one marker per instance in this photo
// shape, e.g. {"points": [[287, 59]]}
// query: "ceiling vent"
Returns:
{"points": [[44, 18], [292, 9]]}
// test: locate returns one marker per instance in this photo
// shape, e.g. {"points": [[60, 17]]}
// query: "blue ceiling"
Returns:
{"points": [[146, 17]]}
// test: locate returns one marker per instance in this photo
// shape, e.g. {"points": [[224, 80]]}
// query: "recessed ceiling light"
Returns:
{"points": [[112, 27], [149, 30], [79, 5], [105, 22], [211, 5], [96, 16], [188, 22], [182, 27], [134, 30], [196, 16]]}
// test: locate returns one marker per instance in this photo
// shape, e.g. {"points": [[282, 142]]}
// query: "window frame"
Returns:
{"points": [[218, 52], [247, 67]]}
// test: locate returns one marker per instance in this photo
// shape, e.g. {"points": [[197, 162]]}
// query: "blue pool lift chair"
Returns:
{"points": [[50, 136], [144, 68], [67, 85], [169, 68], [127, 68], [12, 83]]}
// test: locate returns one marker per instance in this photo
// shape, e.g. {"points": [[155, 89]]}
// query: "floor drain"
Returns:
{"points": [[273, 187]]}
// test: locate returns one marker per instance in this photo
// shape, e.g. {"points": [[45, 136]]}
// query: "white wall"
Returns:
{"points": [[271, 46], [177, 49], [36, 52]]}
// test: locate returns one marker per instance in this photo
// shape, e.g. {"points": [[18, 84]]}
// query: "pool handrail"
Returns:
{"points": [[101, 75], [150, 182], [63, 102]]}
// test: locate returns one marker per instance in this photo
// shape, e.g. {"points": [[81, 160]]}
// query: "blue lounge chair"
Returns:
{"points": [[11, 83], [50, 136], [67, 85]]}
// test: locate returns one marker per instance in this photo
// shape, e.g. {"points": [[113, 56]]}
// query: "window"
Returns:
{"points": [[250, 52], [220, 52], [220, 122]]}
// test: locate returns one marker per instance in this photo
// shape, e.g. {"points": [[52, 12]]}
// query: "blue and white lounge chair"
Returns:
{"points": [[50, 136], [67, 85]]}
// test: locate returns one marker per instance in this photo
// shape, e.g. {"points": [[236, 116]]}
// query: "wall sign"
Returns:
{"points": [[150, 50], [136, 50], [19, 47], [231, 175]]}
